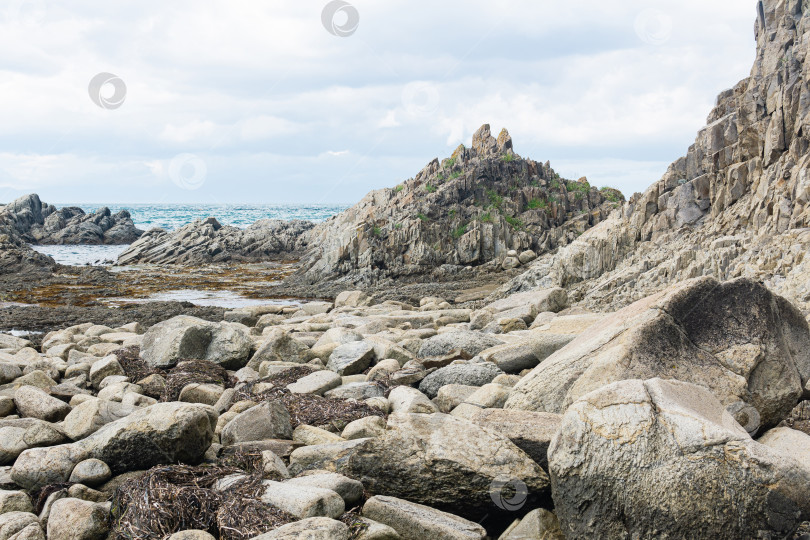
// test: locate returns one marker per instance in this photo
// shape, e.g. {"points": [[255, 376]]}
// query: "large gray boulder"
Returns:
{"points": [[20, 434], [189, 338], [443, 462], [468, 374], [416, 522], [33, 402], [75, 519], [646, 459], [315, 528], [270, 420], [749, 346], [468, 342], [164, 433]]}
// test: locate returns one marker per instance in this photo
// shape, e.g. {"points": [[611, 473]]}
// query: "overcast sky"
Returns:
{"points": [[269, 101]]}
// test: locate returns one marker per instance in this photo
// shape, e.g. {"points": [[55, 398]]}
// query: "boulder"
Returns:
{"points": [[280, 346], [14, 501], [635, 459], [163, 433], [789, 441], [270, 420], [316, 383], [440, 461], [351, 491], [351, 358], [316, 528], [89, 416], [405, 399], [32, 402], [538, 524], [530, 431], [467, 374], [352, 299], [14, 522], [417, 522], [75, 519], [526, 353], [106, 367], [470, 343], [21, 434], [370, 426], [90, 472], [749, 346], [191, 535], [188, 338], [303, 501]]}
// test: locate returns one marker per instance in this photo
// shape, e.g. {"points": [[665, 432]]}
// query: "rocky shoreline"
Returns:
{"points": [[367, 420], [488, 351]]}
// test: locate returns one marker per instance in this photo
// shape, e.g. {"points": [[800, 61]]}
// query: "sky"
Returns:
{"points": [[312, 101]]}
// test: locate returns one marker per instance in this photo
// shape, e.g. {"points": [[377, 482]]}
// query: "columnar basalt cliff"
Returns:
{"points": [[735, 206], [471, 209]]}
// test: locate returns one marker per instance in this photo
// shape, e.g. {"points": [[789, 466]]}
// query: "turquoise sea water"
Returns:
{"points": [[174, 216]]}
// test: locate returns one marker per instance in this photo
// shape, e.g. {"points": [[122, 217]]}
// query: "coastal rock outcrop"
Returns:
{"points": [[207, 241], [749, 346], [737, 205], [17, 257], [485, 205], [649, 459], [35, 222]]}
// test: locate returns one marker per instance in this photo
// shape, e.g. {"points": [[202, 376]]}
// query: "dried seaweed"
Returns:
{"points": [[193, 372], [166, 500], [134, 367], [247, 460], [311, 410], [307, 408], [356, 525]]}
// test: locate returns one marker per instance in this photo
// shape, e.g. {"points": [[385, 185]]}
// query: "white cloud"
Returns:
{"points": [[574, 82]]}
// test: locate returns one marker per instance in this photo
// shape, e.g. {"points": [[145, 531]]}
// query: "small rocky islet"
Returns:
{"points": [[488, 351]]}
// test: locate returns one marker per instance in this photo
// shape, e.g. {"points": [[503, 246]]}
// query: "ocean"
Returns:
{"points": [[174, 216]]}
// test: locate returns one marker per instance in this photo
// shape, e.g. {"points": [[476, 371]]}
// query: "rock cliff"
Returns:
{"points": [[735, 206], [483, 206]]}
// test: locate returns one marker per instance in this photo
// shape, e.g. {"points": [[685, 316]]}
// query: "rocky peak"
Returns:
{"points": [[485, 145], [468, 211]]}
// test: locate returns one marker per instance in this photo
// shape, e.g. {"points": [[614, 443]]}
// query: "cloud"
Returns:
{"points": [[265, 95]]}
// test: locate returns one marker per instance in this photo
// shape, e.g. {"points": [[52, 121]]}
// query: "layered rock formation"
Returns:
{"points": [[35, 222], [471, 209], [735, 206], [207, 241], [484, 205]]}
